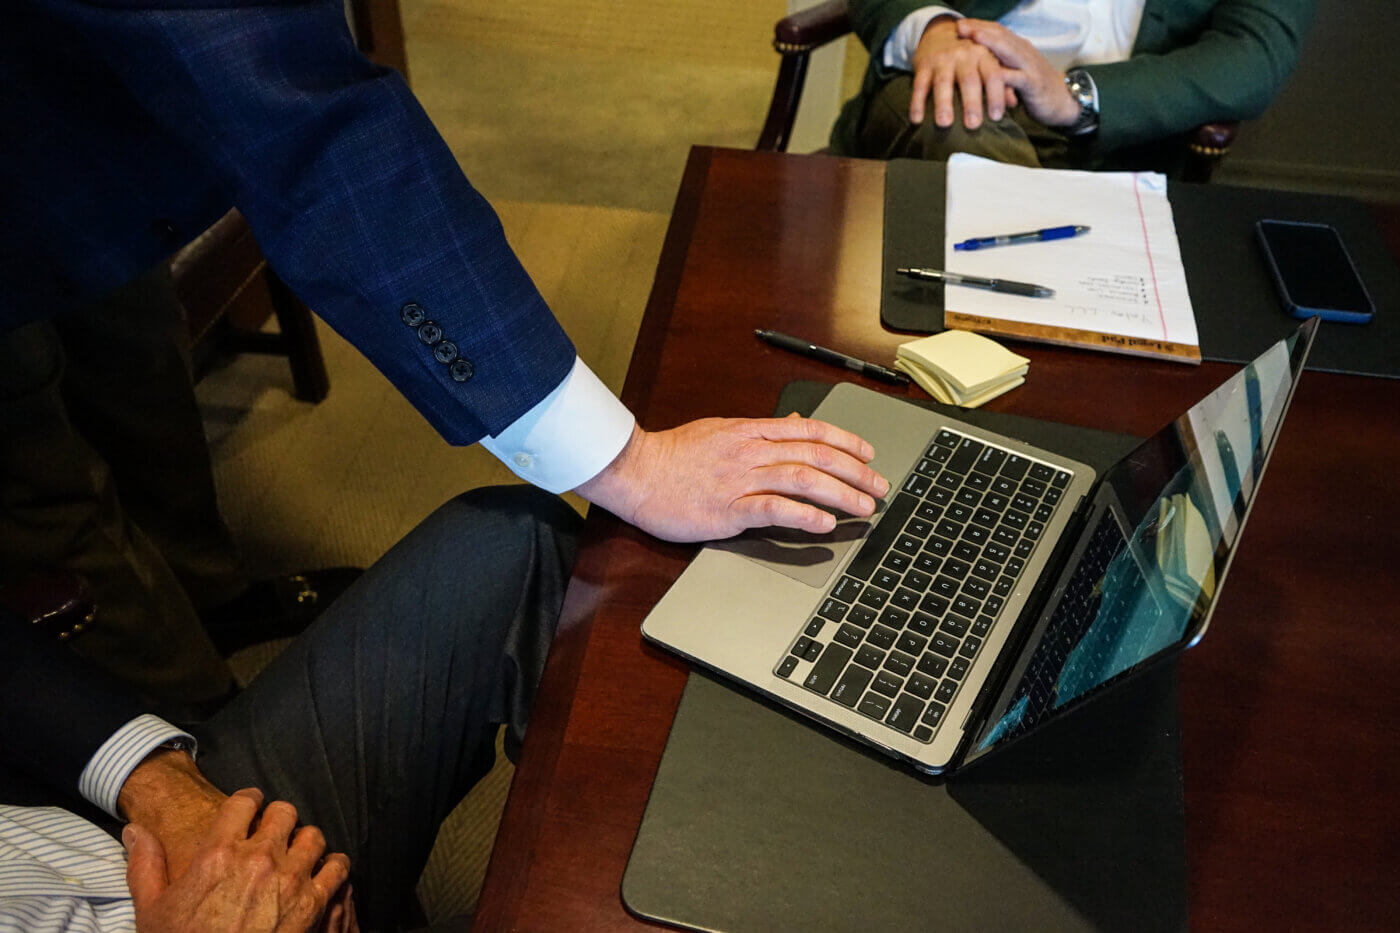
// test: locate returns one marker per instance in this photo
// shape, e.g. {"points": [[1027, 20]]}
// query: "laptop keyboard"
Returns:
{"points": [[895, 635]]}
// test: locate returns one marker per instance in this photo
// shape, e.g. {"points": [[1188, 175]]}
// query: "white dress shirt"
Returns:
{"points": [[1067, 32], [59, 872]]}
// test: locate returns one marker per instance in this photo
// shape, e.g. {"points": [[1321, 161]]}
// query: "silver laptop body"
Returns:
{"points": [[1121, 572]]}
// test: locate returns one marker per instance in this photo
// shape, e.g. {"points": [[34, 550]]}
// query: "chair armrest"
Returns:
{"points": [[59, 603], [813, 27]]}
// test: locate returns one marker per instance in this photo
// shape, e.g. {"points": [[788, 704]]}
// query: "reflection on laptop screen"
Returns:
{"points": [[1146, 570]]}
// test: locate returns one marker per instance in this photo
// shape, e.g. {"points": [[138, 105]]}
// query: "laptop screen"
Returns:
{"points": [[1146, 569]]}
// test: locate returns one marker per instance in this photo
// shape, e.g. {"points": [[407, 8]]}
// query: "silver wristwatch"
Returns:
{"points": [[1081, 87]]}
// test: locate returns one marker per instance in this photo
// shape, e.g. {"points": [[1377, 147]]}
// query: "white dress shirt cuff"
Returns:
{"points": [[569, 437], [108, 768], [900, 46]]}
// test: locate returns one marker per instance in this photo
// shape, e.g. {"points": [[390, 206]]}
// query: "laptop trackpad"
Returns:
{"points": [[806, 557]]}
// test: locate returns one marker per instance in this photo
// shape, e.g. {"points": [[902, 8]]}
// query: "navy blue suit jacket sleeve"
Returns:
{"points": [[351, 192], [55, 711]]}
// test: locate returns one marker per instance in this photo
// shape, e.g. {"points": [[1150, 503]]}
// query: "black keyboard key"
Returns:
{"points": [[985, 569], [1061, 479], [1015, 519], [948, 480], [1042, 472], [991, 460], [1052, 495], [1004, 586], [848, 635], [922, 624], [939, 547], [917, 580], [978, 481], [878, 542], [957, 569], [847, 589], [870, 656], [958, 668], [943, 644], [886, 578], [965, 455], [908, 544], [905, 714], [1043, 512], [1014, 566], [813, 651], [985, 517], [927, 563], [1033, 488], [982, 626], [917, 485], [920, 686], [861, 615], [923, 733], [976, 534], [927, 467], [832, 609], [947, 528], [1003, 486], [928, 512], [891, 567], [944, 586], [851, 685], [932, 665], [933, 715], [946, 690], [1023, 548], [918, 527], [881, 637], [1033, 530], [799, 647], [874, 705], [899, 663], [887, 683], [965, 551], [939, 496], [833, 660], [934, 604], [955, 626], [957, 512], [995, 502], [939, 454], [786, 668], [1006, 537], [992, 604], [1015, 468], [911, 643], [894, 617], [969, 646], [905, 598], [976, 588], [814, 628], [874, 598], [946, 438], [965, 607], [968, 497], [1023, 502], [997, 553]]}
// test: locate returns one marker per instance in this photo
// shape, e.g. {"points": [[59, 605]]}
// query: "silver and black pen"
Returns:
{"points": [[974, 281], [836, 358]]}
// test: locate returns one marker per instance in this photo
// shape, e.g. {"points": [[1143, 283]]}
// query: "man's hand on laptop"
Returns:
{"points": [[716, 477]]}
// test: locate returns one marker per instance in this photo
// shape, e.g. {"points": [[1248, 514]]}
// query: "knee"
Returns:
{"points": [[514, 519]]}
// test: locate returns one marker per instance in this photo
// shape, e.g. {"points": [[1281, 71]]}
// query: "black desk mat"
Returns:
{"points": [[1238, 314], [761, 820]]}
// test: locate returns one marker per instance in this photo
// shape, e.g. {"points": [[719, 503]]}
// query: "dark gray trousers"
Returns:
{"points": [[380, 718]]}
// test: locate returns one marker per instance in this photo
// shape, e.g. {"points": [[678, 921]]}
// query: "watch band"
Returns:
{"points": [[1085, 93]]}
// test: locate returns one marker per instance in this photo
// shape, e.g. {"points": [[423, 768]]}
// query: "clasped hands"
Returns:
{"points": [[992, 69]]}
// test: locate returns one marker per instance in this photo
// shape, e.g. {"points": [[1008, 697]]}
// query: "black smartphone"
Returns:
{"points": [[1313, 272]]}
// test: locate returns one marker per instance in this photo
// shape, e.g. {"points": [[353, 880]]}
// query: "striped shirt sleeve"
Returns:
{"points": [[110, 765]]}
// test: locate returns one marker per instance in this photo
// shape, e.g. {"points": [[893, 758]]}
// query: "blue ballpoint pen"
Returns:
{"points": [[1030, 236]]}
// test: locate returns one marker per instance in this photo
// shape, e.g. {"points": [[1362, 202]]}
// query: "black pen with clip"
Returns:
{"points": [[975, 281], [804, 348]]}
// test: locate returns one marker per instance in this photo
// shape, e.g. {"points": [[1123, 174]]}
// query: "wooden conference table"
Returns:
{"points": [[1290, 707]]}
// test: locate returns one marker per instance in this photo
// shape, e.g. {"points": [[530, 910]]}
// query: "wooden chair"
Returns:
{"points": [[223, 280], [797, 35]]}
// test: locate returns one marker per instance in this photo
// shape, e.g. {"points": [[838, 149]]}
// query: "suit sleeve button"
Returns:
{"points": [[461, 370], [445, 352], [412, 314], [429, 333]]}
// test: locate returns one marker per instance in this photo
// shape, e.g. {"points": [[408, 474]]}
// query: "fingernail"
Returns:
{"points": [[867, 504], [128, 837], [882, 484]]}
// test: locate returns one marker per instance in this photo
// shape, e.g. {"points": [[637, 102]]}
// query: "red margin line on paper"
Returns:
{"points": [[1161, 315]]}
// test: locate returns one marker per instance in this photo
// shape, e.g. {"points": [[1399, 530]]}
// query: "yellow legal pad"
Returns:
{"points": [[958, 367]]}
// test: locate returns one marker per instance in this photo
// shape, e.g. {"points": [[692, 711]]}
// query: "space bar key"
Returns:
{"points": [[875, 546]]}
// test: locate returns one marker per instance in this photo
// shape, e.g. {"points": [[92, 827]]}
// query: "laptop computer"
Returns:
{"points": [[999, 586]]}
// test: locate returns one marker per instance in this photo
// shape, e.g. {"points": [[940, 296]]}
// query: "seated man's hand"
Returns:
{"points": [[946, 59], [716, 477], [268, 880], [1026, 72], [168, 796]]}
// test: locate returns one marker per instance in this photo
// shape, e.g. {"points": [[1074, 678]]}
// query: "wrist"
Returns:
{"points": [[611, 489], [162, 786]]}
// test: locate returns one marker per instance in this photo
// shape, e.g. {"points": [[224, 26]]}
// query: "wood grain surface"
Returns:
{"points": [[1290, 706]]}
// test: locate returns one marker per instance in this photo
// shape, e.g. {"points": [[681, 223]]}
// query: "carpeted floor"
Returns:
{"points": [[574, 119]]}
